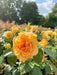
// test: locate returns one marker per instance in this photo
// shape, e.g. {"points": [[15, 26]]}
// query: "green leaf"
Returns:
{"points": [[54, 68], [28, 25], [1, 60], [36, 71], [6, 53], [47, 69], [1, 51], [16, 72], [40, 46], [28, 67], [51, 53], [7, 70], [48, 51], [51, 41], [52, 65], [49, 47], [11, 59], [38, 58], [42, 65]]}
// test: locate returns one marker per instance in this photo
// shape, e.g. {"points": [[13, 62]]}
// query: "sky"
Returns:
{"points": [[44, 6]]}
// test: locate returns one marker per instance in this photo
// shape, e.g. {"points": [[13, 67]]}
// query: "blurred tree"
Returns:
{"points": [[42, 20], [19, 5], [51, 20], [29, 13], [8, 10]]}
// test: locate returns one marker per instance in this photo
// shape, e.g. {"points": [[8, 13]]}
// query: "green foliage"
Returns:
{"points": [[51, 52], [51, 65], [38, 58], [39, 35], [16, 72], [1, 51], [28, 26], [54, 68], [41, 20], [1, 60], [36, 71], [29, 13], [47, 69], [8, 70], [28, 67], [51, 20], [1, 46], [11, 59], [8, 10]]}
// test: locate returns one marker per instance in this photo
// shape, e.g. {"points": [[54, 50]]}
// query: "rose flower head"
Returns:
{"points": [[8, 34], [25, 45], [44, 42], [7, 45], [34, 28], [14, 30]]}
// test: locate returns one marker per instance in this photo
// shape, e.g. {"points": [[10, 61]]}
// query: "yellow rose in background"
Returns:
{"points": [[45, 36], [14, 30], [25, 45], [13, 27], [2, 29], [49, 33], [43, 42], [49, 28], [8, 34], [7, 45], [56, 30], [55, 39], [55, 34], [34, 28]]}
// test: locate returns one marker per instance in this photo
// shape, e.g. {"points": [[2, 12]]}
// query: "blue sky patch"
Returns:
{"points": [[44, 6]]}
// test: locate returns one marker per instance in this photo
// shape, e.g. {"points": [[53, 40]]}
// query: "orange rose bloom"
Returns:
{"points": [[44, 42], [25, 45]]}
